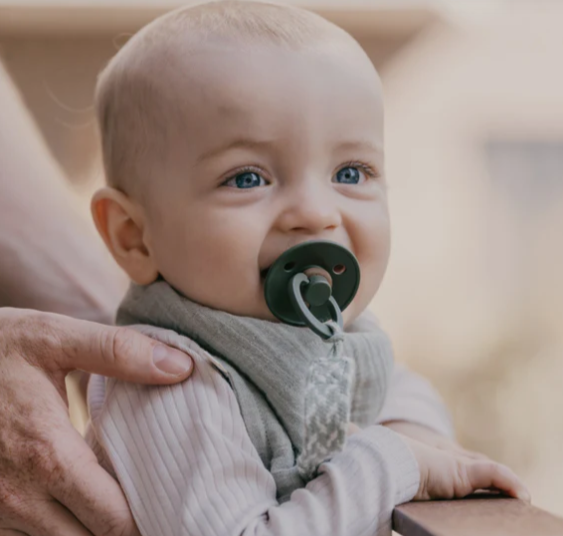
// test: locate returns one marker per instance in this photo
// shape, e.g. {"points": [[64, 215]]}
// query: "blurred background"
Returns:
{"points": [[473, 297]]}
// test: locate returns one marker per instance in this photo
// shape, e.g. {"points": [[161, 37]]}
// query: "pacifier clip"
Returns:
{"points": [[300, 300]]}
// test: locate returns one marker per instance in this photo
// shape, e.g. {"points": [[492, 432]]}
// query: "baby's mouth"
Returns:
{"points": [[316, 270]]}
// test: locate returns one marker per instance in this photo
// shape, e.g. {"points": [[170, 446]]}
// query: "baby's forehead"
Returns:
{"points": [[199, 49], [236, 25], [230, 83], [223, 61]]}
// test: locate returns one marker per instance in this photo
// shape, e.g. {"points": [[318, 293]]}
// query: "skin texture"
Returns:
{"points": [[297, 120], [50, 481]]}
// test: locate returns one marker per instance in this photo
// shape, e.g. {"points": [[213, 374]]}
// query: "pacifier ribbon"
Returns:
{"points": [[327, 405], [297, 299]]}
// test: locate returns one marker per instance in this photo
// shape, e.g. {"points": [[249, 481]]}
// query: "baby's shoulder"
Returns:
{"points": [[201, 357], [208, 382]]}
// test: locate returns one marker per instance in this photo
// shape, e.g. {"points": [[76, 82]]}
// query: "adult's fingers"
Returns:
{"points": [[86, 490], [10, 532], [112, 351], [49, 518]]}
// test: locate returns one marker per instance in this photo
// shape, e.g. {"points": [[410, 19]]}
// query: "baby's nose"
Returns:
{"points": [[310, 213]]}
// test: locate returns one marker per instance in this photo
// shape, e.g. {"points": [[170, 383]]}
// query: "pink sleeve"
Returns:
{"points": [[187, 466], [412, 398]]}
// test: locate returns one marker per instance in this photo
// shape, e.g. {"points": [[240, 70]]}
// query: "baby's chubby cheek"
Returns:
{"points": [[216, 261], [373, 256], [369, 284], [212, 263]]}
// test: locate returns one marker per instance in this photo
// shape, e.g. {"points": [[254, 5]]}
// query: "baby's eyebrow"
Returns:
{"points": [[359, 145], [239, 143]]}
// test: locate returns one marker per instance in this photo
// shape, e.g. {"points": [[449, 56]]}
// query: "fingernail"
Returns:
{"points": [[524, 496], [171, 361]]}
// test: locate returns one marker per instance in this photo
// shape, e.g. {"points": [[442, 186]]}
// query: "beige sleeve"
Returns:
{"points": [[50, 256], [410, 398], [187, 466]]}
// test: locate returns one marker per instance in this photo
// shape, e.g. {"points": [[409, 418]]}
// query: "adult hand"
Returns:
{"points": [[50, 480]]}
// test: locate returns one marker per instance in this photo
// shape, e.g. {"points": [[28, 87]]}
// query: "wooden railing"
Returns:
{"points": [[478, 515]]}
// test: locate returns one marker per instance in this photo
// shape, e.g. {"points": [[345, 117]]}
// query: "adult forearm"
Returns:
{"points": [[50, 258]]}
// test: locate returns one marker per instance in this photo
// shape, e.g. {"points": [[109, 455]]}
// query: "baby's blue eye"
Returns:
{"points": [[348, 175], [248, 179]]}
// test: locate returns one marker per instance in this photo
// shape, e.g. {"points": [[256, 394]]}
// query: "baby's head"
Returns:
{"points": [[232, 131]]}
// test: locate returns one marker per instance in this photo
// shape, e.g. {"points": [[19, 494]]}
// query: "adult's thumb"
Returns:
{"points": [[117, 352]]}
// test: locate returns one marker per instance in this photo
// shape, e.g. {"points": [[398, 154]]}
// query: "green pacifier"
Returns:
{"points": [[301, 300]]}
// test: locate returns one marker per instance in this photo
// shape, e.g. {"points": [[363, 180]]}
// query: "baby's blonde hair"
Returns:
{"points": [[131, 112]]}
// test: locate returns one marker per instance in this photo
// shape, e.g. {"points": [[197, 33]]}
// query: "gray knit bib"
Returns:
{"points": [[296, 391]]}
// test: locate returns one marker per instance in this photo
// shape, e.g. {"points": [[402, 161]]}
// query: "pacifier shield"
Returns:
{"points": [[338, 261]]}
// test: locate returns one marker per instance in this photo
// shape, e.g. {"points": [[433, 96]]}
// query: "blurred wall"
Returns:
{"points": [[474, 293]]}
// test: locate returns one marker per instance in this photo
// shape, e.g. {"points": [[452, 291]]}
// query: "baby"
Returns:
{"points": [[232, 131]]}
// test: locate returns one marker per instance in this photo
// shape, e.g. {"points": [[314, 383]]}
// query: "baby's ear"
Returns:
{"points": [[121, 223]]}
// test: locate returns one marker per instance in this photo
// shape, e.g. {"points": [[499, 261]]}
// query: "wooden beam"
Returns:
{"points": [[478, 515], [17, 19]]}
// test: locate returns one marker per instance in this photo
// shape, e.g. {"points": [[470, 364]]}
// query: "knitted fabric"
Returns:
{"points": [[296, 392]]}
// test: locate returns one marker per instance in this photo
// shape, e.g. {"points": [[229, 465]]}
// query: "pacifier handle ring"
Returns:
{"points": [[321, 329]]}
